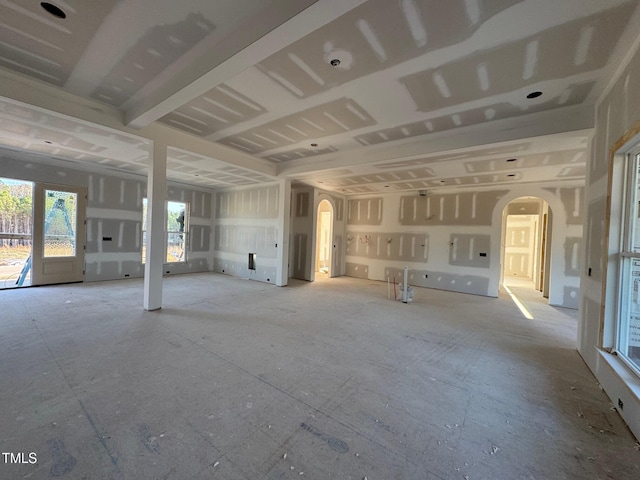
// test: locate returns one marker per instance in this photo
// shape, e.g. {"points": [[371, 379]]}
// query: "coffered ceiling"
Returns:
{"points": [[355, 96]]}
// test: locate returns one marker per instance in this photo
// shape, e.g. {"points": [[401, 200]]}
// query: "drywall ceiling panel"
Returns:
{"points": [[475, 153], [221, 107], [39, 45], [566, 157], [550, 55], [572, 95], [375, 36], [339, 116], [297, 153], [384, 177], [573, 172], [157, 48]]}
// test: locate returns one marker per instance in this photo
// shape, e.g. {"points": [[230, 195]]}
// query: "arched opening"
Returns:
{"points": [[526, 237], [324, 242]]}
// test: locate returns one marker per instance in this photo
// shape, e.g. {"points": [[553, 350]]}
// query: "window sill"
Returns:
{"points": [[630, 380]]}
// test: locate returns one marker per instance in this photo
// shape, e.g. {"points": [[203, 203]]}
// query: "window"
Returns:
{"points": [[628, 324], [176, 232]]}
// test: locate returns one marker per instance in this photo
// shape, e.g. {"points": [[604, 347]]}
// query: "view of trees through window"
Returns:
{"points": [[176, 233], [15, 228]]}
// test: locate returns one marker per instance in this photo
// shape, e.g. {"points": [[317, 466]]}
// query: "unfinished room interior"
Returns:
{"points": [[324, 239]]}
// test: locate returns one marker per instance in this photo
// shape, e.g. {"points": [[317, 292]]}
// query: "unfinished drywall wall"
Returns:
{"points": [[451, 240], [247, 222], [337, 203], [305, 203], [519, 246], [301, 233], [114, 216], [617, 120]]}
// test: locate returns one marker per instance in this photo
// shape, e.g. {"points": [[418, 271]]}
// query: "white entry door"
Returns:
{"points": [[58, 234]]}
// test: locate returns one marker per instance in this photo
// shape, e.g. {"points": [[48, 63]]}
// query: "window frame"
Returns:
{"points": [[627, 257], [167, 232]]}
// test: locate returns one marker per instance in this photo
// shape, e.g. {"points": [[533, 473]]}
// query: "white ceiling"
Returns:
{"points": [[427, 94]]}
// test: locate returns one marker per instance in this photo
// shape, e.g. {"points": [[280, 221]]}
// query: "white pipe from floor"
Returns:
{"points": [[405, 286]]}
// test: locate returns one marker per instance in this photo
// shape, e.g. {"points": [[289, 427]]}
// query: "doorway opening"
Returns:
{"points": [[16, 232], [526, 238], [324, 236]]}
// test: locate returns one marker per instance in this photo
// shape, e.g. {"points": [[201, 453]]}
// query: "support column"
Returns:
{"points": [[284, 223], [156, 195]]}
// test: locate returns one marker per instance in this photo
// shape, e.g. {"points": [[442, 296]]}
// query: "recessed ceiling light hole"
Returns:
{"points": [[314, 144], [534, 94], [53, 10], [512, 159], [335, 62]]}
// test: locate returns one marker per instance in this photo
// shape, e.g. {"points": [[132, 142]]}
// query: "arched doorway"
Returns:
{"points": [[324, 239], [526, 236]]}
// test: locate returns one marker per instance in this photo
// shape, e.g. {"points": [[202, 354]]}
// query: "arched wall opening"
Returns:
{"points": [[555, 250], [526, 235], [324, 239]]}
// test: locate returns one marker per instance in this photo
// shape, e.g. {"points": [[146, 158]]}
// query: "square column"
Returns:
{"points": [[284, 222], [156, 196]]}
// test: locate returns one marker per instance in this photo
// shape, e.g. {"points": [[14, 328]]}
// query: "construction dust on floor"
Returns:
{"points": [[235, 379]]}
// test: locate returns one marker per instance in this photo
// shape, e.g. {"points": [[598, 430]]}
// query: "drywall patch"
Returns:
{"points": [[522, 208], [199, 238], [469, 208], [517, 265], [242, 239], [423, 86], [572, 199], [337, 116], [572, 256], [571, 297], [240, 269], [565, 157], [115, 90], [114, 236], [261, 202], [364, 211], [339, 208], [595, 232], [220, 107], [357, 270], [302, 204], [409, 247], [473, 284], [300, 256], [399, 36], [469, 250], [337, 255], [518, 236]]}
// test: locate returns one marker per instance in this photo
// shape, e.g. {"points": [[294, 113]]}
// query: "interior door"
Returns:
{"points": [[58, 234]]}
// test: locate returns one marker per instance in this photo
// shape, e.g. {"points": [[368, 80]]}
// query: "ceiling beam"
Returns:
{"points": [[225, 61], [578, 118], [43, 96]]}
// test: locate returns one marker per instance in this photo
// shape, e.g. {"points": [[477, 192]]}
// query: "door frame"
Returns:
{"points": [[52, 270]]}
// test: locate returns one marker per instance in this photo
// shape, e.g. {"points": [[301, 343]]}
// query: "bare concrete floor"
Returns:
{"points": [[236, 379]]}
